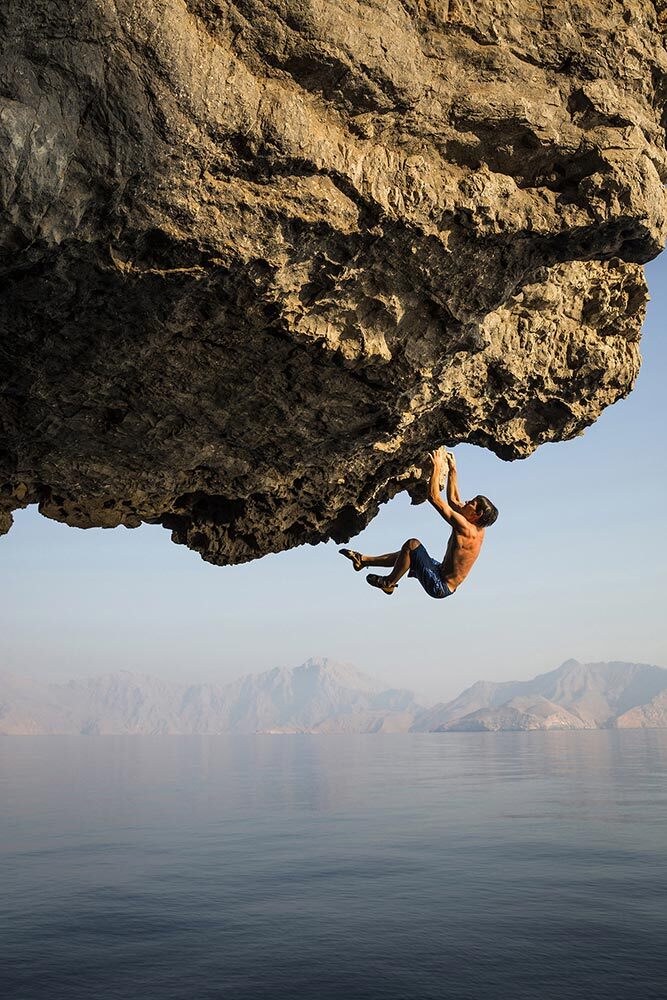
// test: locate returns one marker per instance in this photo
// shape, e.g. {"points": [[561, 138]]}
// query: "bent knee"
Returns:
{"points": [[411, 544]]}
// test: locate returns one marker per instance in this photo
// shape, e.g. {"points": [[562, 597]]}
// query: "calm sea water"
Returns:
{"points": [[438, 866]]}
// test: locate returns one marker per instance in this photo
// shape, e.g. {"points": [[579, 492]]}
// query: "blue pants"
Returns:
{"points": [[427, 571]]}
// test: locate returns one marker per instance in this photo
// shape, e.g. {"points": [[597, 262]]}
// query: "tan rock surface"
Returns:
{"points": [[257, 257]]}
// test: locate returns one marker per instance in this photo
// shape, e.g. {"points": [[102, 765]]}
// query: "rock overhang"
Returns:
{"points": [[258, 258]]}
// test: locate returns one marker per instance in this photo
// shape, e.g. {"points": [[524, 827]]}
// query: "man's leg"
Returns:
{"points": [[402, 564], [359, 560], [386, 560]]}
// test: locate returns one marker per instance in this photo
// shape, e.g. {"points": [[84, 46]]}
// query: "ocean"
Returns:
{"points": [[453, 866]]}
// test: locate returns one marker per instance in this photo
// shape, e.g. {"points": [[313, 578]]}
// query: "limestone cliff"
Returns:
{"points": [[258, 255]]}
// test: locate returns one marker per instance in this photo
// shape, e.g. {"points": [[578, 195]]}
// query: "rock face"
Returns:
{"points": [[574, 696], [320, 696], [258, 256]]}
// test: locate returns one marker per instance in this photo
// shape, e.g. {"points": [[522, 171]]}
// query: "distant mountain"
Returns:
{"points": [[518, 714], [575, 696], [650, 716], [318, 696], [322, 696]]}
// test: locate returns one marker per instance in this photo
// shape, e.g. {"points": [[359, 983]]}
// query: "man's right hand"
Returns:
{"points": [[447, 458]]}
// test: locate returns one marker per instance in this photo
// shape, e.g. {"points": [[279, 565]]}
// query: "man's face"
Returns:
{"points": [[470, 511]]}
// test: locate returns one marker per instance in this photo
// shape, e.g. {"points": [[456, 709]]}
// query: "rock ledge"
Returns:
{"points": [[258, 257]]}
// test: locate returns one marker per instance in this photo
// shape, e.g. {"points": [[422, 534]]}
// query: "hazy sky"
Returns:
{"points": [[575, 566]]}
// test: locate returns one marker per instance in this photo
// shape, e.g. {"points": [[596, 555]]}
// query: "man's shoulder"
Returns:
{"points": [[463, 526]]}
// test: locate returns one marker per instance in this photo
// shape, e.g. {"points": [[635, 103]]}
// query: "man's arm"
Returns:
{"points": [[452, 482], [444, 508]]}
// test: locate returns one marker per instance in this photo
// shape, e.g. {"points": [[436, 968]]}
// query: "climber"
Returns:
{"points": [[468, 521]]}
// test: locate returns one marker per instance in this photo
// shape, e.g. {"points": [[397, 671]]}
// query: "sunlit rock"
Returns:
{"points": [[258, 257]]}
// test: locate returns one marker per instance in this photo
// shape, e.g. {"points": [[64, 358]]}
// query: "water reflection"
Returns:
{"points": [[368, 866]]}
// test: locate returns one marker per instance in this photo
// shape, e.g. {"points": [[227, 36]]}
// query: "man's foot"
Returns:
{"points": [[355, 557], [381, 583]]}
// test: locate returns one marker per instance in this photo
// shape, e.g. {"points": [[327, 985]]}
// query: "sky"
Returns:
{"points": [[575, 566]]}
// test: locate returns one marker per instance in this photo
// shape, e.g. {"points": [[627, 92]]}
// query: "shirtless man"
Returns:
{"points": [[468, 521]]}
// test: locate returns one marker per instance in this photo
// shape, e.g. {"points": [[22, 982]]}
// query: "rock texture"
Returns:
{"points": [[574, 696], [258, 256]]}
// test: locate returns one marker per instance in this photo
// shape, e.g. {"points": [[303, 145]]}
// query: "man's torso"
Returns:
{"points": [[462, 551]]}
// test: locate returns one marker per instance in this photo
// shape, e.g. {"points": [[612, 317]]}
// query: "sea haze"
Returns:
{"points": [[322, 696], [443, 865]]}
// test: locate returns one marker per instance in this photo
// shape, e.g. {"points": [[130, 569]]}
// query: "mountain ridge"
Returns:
{"points": [[323, 696], [596, 694], [300, 698]]}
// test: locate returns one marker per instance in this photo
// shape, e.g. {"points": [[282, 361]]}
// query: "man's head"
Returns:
{"points": [[480, 511]]}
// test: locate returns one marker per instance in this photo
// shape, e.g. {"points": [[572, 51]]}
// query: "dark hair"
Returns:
{"points": [[488, 511]]}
